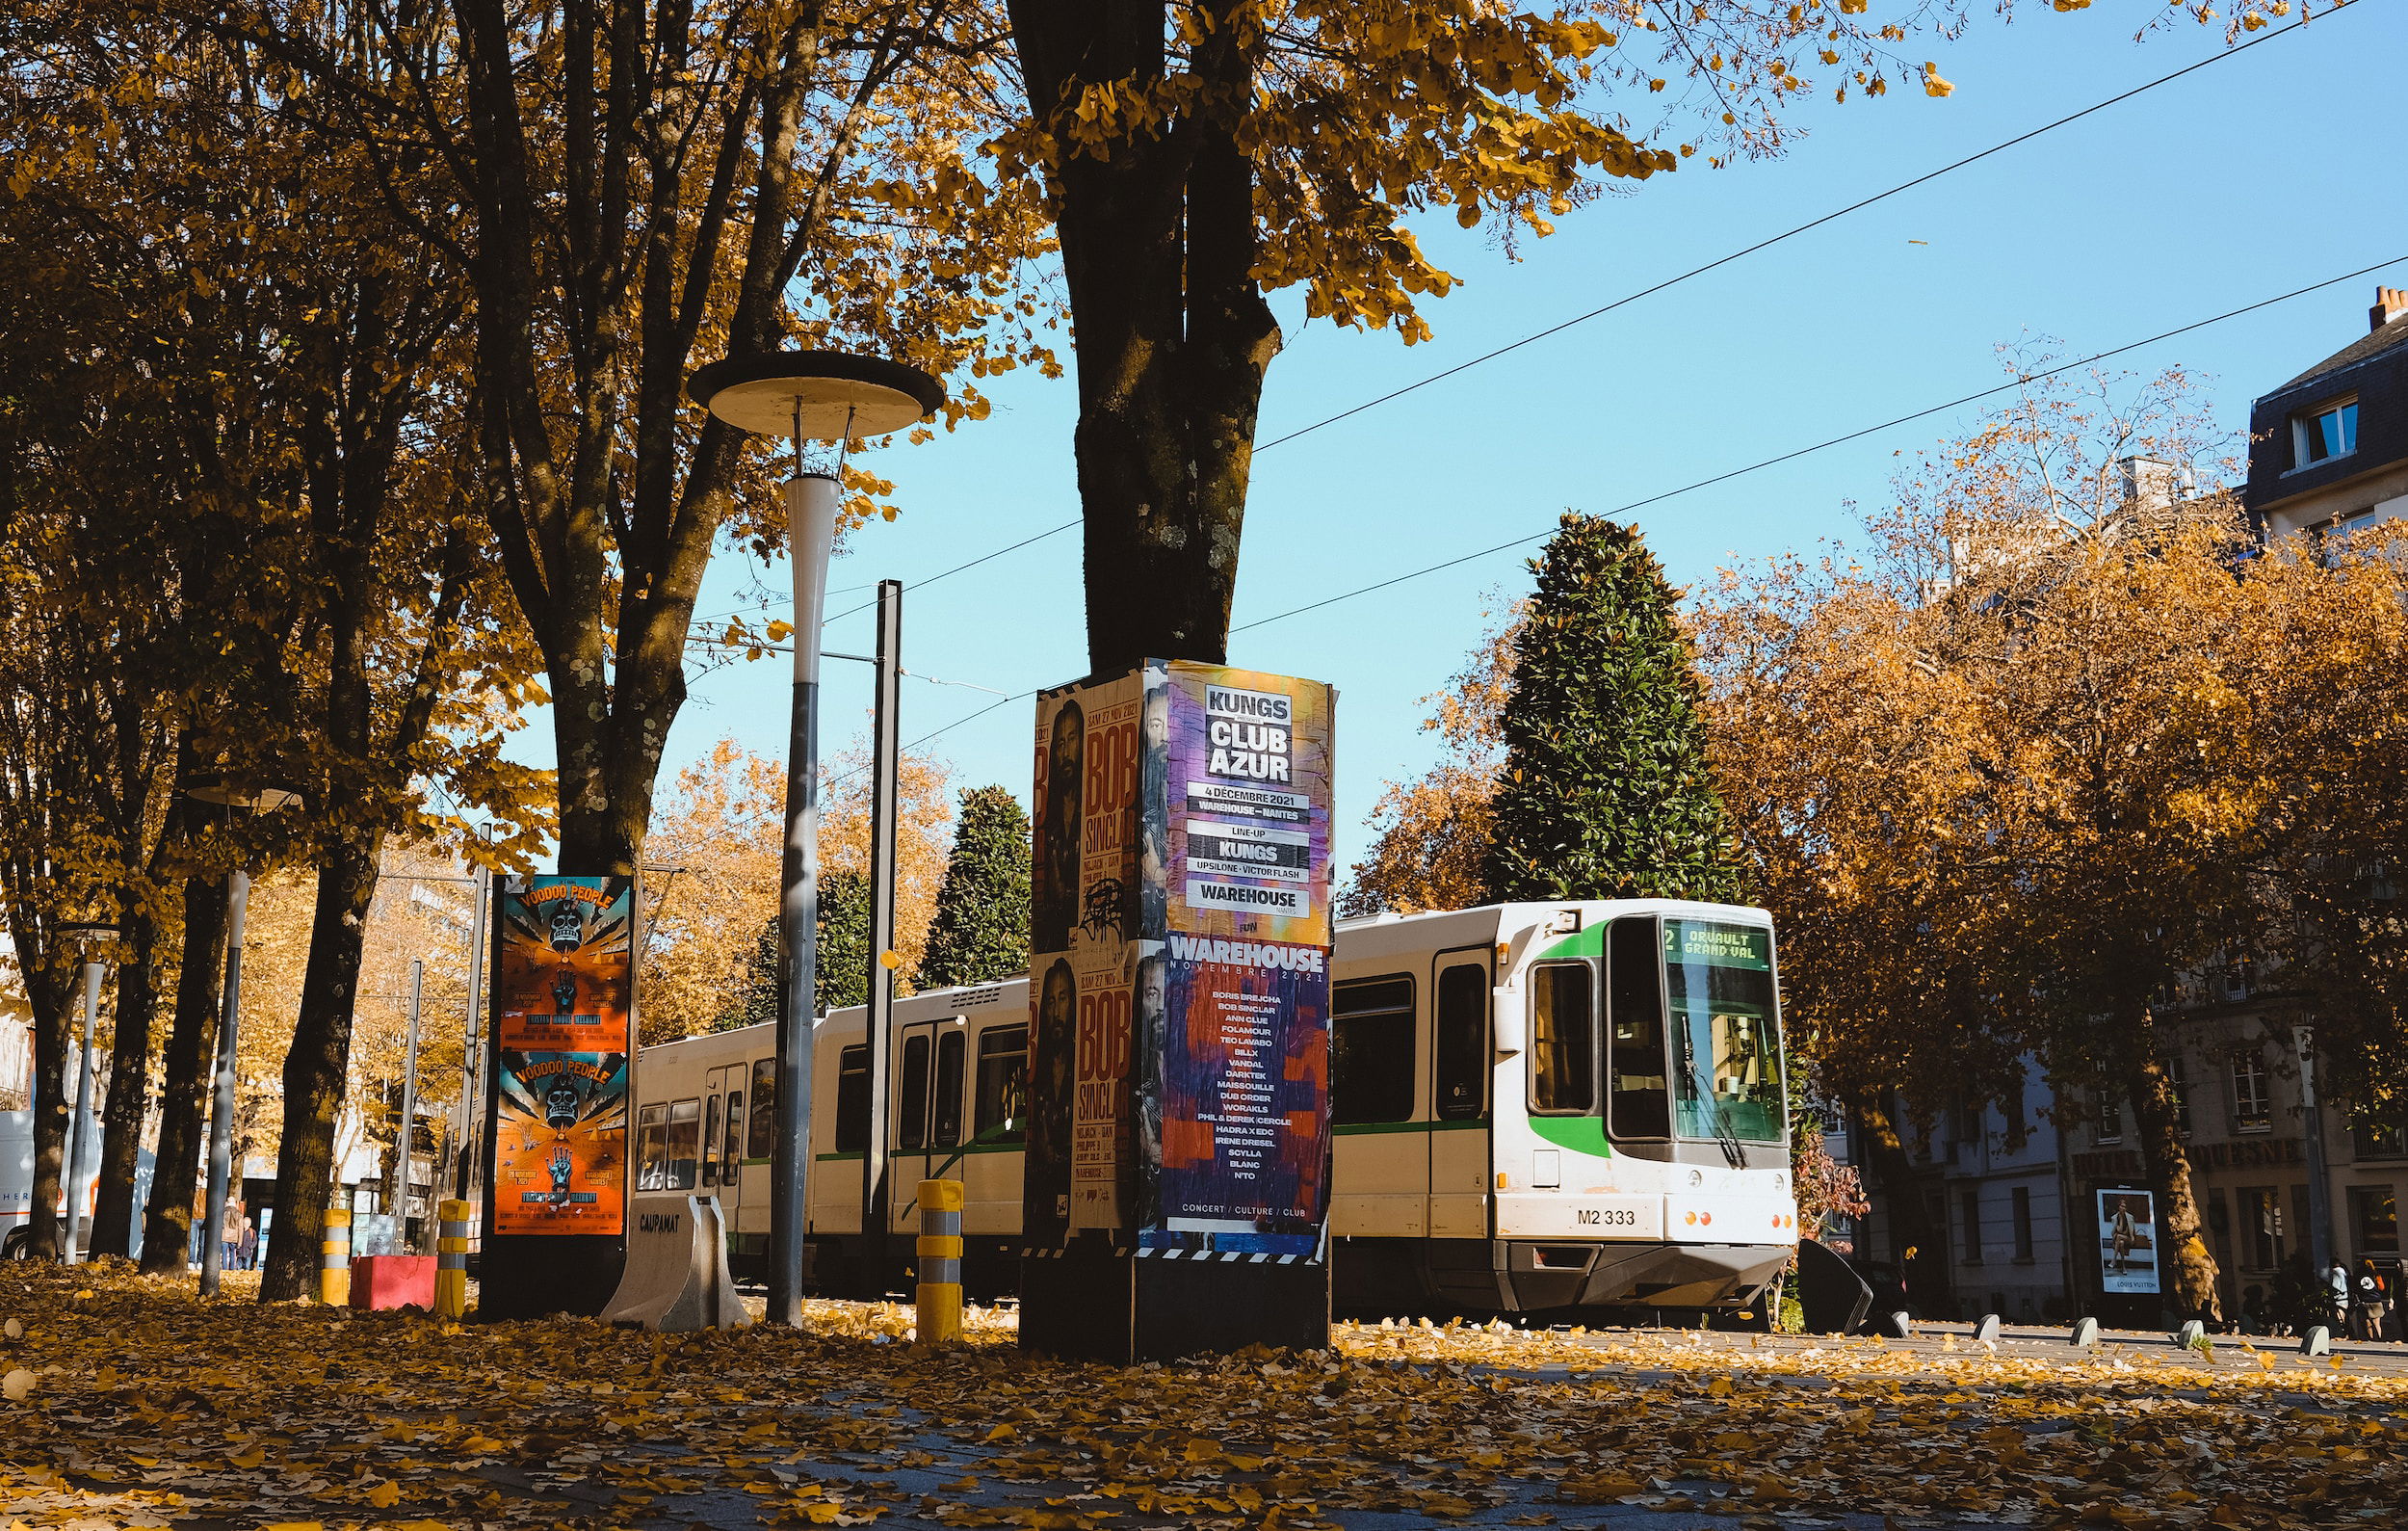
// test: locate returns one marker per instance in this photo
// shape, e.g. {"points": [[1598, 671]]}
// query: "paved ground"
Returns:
{"points": [[142, 1406]]}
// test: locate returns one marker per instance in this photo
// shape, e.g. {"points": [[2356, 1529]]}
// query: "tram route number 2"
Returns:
{"points": [[1612, 1217]]}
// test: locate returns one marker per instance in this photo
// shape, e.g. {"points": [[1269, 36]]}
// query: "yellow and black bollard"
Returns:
{"points": [[334, 1259], [451, 1260], [940, 1263]]}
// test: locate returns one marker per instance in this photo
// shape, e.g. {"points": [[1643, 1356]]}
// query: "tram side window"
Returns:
{"points": [[911, 1127], [761, 1135], [652, 1148], [711, 1141], [1002, 1084], [731, 1147], [1461, 1092], [1371, 1058], [685, 1143], [945, 1112], [853, 1100], [1563, 1040], [1639, 1106]]}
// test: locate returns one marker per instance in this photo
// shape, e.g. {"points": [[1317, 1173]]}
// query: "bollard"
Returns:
{"points": [[334, 1259], [451, 1260], [940, 1263], [2086, 1334]]}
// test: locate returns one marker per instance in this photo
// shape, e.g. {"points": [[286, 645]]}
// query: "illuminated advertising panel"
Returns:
{"points": [[563, 1034]]}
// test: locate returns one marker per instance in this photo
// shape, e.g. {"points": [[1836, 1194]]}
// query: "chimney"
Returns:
{"points": [[2147, 483], [2390, 303]]}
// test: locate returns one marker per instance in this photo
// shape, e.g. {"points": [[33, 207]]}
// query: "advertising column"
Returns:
{"points": [[563, 1048], [1177, 1192]]}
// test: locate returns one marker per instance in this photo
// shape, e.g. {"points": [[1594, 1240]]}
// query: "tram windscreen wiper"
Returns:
{"points": [[1733, 1150]]}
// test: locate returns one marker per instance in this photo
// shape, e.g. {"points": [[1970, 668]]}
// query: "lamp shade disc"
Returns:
{"points": [[837, 395]]}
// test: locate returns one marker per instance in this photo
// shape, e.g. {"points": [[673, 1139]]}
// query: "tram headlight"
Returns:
{"points": [[1780, 1179], [1696, 1178]]}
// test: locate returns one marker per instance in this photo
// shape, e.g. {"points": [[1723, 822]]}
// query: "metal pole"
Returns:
{"points": [[2319, 1188], [404, 1140], [472, 1049], [222, 1101], [80, 1125], [811, 504], [884, 765]]}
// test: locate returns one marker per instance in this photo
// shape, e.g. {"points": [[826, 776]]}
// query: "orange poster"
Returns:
{"points": [[563, 991]]}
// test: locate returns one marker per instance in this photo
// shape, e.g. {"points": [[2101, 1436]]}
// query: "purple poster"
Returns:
{"points": [[1179, 935]]}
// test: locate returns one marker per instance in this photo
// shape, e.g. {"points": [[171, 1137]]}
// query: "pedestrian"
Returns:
{"points": [[2336, 1294], [230, 1236], [2373, 1303], [249, 1254]]}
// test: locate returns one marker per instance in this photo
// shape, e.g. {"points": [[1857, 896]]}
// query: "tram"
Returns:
{"points": [[1538, 1107]]}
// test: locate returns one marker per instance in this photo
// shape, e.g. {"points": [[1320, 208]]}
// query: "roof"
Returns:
{"points": [[2371, 344]]}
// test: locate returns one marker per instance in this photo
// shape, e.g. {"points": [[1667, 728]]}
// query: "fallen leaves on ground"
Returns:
{"points": [[148, 1407]]}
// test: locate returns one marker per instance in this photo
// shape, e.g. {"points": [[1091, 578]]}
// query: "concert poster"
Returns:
{"points": [[565, 1037]]}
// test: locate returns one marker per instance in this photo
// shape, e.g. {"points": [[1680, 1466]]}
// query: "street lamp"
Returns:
{"points": [[822, 396], [230, 796], [80, 1167]]}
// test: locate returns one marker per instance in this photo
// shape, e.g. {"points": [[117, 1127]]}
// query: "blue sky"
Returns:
{"points": [[2248, 178]]}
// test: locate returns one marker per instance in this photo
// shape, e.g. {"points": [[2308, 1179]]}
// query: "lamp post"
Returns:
{"points": [[822, 396], [80, 1166], [230, 796]]}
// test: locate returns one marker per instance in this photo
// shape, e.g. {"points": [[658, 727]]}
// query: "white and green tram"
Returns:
{"points": [[1538, 1107]]}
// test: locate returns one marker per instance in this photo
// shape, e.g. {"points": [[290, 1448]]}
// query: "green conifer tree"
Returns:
{"points": [[981, 929], [842, 974], [1606, 790]]}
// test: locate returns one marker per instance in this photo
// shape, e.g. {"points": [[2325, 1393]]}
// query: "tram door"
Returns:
{"points": [[1461, 1068], [723, 1137], [930, 1090]]}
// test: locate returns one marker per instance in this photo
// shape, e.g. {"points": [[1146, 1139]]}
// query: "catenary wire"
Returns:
{"points": [[1738, 472], [2017, 382], [2233, 52]]}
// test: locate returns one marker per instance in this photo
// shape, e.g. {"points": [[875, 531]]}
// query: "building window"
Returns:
{"points": [[1969, 1205], [2261, 1226], [2176, 1077], [2376, 1135], [2023, 1222], [2375, 1216], [2253, 1102], [2320, 434]]}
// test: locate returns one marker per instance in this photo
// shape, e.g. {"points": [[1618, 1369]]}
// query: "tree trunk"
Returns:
{"points": [[51, 995], [184, 1079], [317, 1068], [1158, 247], [2183, 1256], [1919, 1244], [129, 1090]]}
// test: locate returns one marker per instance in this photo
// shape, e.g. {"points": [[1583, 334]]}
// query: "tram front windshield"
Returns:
{"points": [[1718, 990]]}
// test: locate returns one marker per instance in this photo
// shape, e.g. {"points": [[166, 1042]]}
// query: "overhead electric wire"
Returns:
{"points": [[2017, 382], [2233, 51]]}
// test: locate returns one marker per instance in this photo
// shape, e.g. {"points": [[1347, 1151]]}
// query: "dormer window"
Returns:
{"points": [[2322, 434]]}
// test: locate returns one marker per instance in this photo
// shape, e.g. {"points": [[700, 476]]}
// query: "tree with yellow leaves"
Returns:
{"points": [[721, 831], [1998, 777]]}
